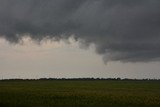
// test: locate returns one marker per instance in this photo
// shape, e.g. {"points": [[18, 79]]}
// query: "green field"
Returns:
{"points": [[79, 93]]}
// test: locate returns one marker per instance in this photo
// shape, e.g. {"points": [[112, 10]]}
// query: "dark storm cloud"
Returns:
{"points": [[122, 30]]}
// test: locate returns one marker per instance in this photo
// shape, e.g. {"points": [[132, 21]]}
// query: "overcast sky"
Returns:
{"points": [[108, 38]]}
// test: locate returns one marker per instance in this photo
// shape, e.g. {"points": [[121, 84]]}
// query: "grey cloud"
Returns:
{"points": [[122, 30]]}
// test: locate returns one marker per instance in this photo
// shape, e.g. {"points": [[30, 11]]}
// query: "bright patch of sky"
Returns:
{"points": [[65, 59]]}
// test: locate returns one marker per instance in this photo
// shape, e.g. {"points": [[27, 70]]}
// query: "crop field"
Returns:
{"points": [[79, 93]]}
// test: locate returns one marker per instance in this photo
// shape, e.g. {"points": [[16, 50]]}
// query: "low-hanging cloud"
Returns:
{"points": [[122, 30]]}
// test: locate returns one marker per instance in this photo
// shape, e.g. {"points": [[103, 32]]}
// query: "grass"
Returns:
{"points": [[79, 93]]}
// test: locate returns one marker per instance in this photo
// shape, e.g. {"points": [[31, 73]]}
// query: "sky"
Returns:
{"points": [[82, 38]]}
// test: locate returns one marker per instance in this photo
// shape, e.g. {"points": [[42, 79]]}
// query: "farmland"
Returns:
{"points": [[79, 93]]}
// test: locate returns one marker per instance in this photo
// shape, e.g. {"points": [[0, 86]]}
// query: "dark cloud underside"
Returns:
{"points": [[122, 30]]}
